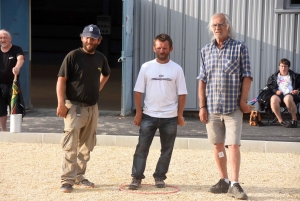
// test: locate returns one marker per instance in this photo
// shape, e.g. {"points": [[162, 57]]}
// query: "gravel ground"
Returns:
{"points": [[32, 172]]}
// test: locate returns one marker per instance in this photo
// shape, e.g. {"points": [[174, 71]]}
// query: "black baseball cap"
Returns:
{"points": [[91, 31]]}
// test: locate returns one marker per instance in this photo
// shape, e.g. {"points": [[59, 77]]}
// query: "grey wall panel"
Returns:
{"points": [[286, 37], [253, 42], [222, 6], [136, 41], [176, 30], [146, 32], [191, 53], [296, 62], [160, 17], [268, 64], [206, 11], [238, 15], [269, 36]]}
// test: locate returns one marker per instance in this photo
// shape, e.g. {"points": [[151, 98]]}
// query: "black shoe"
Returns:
{"points": [[85, 183], [159, 183], [237, 192], [294, 124], [66, 188], [221, 187], [135, 184], [285, 124]]}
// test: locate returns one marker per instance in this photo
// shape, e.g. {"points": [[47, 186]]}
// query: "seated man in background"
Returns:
{"points": [[285, 84]]}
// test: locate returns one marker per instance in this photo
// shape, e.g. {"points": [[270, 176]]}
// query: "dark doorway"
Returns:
{"points": [[55, 29]]}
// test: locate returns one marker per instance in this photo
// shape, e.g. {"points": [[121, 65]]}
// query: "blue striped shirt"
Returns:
{"points": [[223, 71]]}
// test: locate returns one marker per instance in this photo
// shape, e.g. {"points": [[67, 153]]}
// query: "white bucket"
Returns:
{"points": [[15, 123]]}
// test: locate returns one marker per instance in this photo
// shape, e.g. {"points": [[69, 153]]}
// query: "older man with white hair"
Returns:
{"points": [[11, 61], [224, 83]]}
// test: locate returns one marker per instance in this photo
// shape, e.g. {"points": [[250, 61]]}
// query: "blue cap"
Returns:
{"points": [[91, 31]]}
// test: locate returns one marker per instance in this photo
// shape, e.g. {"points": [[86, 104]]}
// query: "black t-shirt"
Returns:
{"points": [[83, 71], [8, 60]]}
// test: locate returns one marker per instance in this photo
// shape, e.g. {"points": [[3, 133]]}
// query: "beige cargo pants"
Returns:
{"points": [[78, 140]]}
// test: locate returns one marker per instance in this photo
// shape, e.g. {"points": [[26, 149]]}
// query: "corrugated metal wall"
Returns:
{"points": [[268, 35]]}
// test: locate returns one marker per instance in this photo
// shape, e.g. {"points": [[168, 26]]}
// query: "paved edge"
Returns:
{"points": [[131, 141]]}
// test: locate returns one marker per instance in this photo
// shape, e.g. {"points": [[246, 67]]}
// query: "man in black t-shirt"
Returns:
{"points": [[82, 75], [11, 61]]}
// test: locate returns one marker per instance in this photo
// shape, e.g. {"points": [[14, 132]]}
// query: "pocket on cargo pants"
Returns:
{"points": [[68, 141]]}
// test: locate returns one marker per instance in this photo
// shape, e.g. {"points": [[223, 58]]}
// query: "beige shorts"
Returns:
{"points": [[225, 128]]}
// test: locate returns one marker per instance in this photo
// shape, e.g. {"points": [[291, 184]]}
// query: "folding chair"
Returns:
{"points": [[284, 111], [263, 100]]}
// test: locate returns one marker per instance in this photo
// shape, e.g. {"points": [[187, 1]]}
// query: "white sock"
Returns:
{"points": [[226, 180], [233, 182]]}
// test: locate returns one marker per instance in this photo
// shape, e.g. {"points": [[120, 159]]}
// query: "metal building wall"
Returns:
{"points": [[269, 36]]}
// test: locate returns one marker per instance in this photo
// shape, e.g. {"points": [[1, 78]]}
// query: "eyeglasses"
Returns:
{"points": [[284, 66], [217, 25]]}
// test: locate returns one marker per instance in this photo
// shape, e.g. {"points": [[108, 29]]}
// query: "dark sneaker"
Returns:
{"points": [[285, 124], [66, 188], [135, 184], [294, 124], [221, 187], [237, 192], [159, 183], [85, 183]]}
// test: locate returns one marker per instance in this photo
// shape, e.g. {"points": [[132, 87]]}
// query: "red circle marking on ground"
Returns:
{"points": [[123, 188]]}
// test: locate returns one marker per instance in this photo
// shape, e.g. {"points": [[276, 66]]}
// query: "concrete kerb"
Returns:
{"points": [[131, 141]]}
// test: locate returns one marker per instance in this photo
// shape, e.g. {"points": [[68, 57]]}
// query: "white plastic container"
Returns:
{"points": [[15, 123]]}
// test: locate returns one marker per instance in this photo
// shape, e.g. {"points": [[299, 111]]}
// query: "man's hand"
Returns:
{"points": [[62, 111], [138, 118], [203, 115], [180, 120], [16, 70], [245, 108], [295, 92], [278, 92]]}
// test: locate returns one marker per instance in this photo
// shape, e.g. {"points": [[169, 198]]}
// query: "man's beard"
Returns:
{"points": [[3, 44], [163, 57], [92, 48]]}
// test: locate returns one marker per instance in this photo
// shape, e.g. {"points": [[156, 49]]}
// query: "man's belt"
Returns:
{"points": [[78, 103]]}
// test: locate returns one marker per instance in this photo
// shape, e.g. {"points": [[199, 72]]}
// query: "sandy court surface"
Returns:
{"points": [[32, 172]]}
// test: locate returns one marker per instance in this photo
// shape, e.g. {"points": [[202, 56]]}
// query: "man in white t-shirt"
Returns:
{"points": [[285, 84], [163, 82]]}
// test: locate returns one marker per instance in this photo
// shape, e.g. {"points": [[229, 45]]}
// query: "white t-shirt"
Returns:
{"points": [[162, 84], [284, 83]]}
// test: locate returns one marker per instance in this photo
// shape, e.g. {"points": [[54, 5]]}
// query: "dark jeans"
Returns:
{"points": [[168, 130]]}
